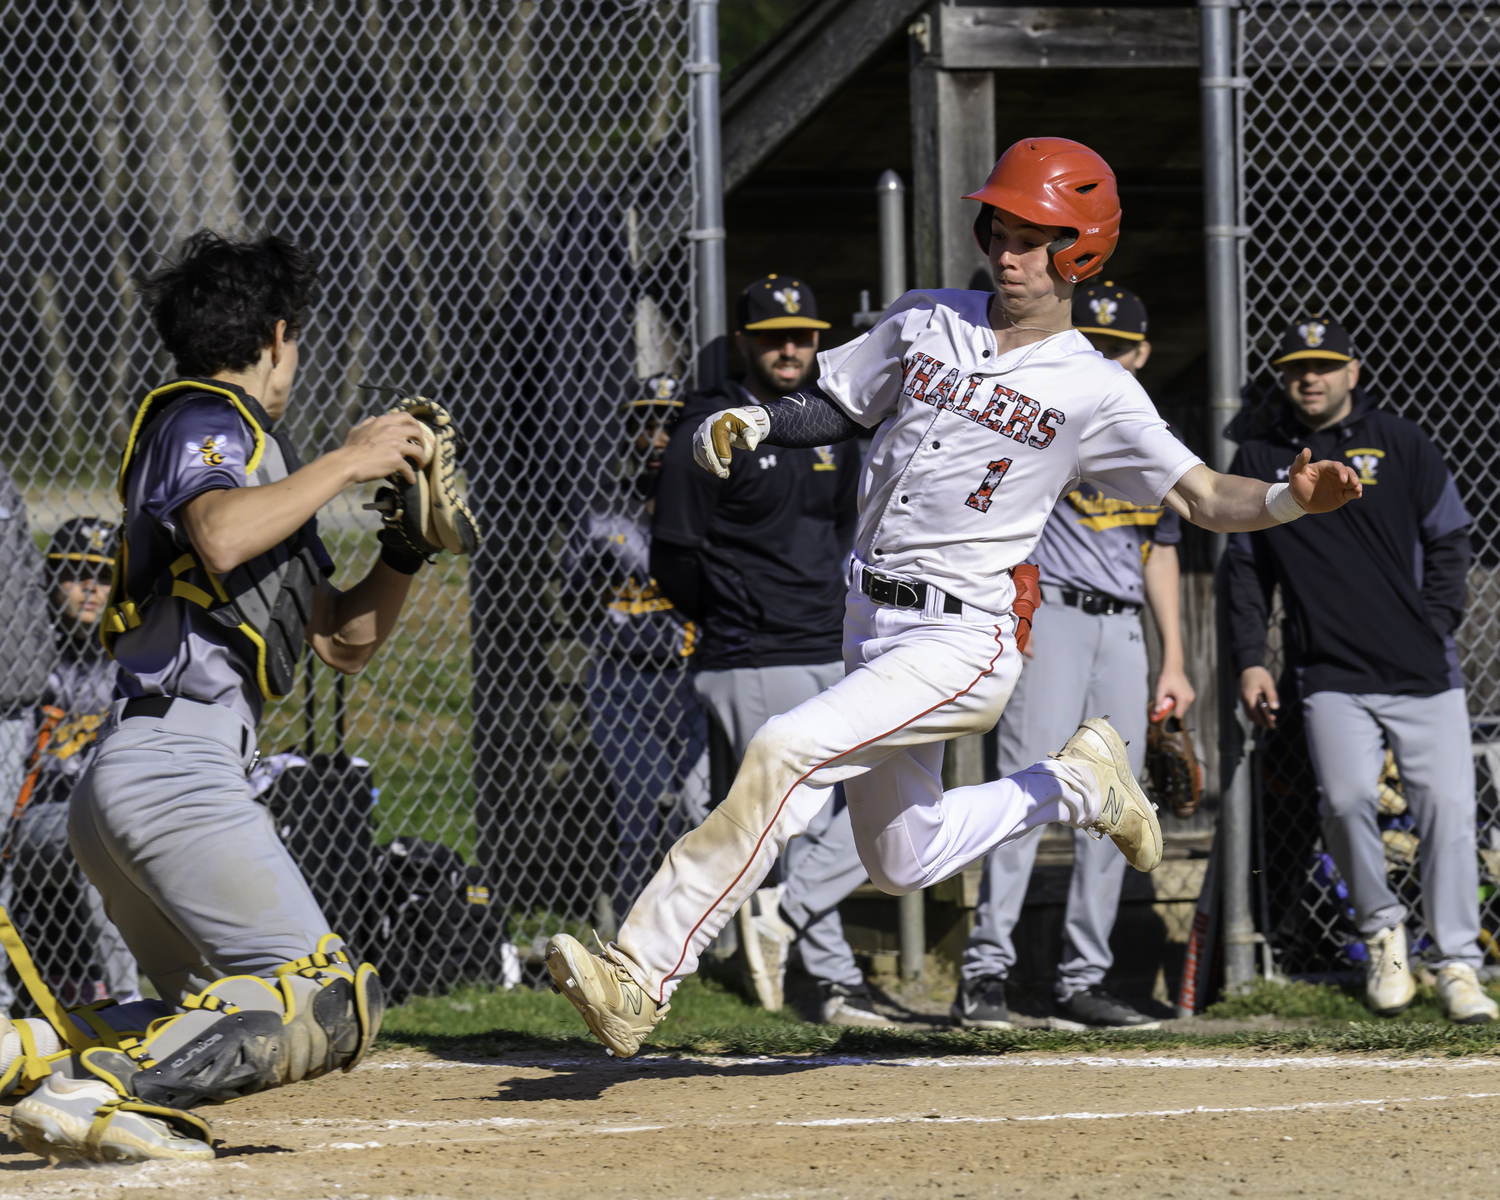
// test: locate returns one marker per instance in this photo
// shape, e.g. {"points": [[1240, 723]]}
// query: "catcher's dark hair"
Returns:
{"points": [[216, 301]]}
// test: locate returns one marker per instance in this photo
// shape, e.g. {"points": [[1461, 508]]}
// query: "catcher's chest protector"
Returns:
{"points": [[264, 604]]}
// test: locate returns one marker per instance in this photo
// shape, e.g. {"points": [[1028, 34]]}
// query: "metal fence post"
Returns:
{"points": [[707, 233], [890, 199], [1226, 376]]}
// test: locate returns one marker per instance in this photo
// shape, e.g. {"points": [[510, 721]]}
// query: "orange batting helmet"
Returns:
{"points": [[1052, 181]]}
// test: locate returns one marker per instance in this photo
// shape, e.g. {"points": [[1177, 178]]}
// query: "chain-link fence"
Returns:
{"points": [[1370, 142], [501, 195]]}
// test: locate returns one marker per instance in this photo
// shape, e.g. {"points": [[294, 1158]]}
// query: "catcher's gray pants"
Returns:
{"points": [[822, 867], [41, 857], [1081, 666], [15, 748], [1429, 735], [189, 865]]}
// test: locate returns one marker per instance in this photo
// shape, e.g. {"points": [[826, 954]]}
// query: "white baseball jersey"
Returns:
{"points": [[974, 447]]}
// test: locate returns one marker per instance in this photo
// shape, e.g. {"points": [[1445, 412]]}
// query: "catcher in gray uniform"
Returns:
{"points": [[1100, 559], [221, 580]]}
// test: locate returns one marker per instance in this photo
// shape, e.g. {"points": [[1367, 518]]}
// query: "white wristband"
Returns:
{"points": [[1282, 505]]}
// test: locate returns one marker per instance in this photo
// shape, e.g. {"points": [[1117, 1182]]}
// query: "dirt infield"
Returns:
{"points": [[412, 1125]]}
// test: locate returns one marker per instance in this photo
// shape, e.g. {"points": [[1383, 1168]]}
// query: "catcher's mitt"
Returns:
{"points": [[1172, 766], [428, 515]]}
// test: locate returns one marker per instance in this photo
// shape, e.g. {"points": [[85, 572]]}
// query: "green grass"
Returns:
{"points": [[409, 712], [707, 1018], [1325, 1004]]}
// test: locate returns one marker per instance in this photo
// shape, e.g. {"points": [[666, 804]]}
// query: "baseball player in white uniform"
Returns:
{"points": [[985, 408]]}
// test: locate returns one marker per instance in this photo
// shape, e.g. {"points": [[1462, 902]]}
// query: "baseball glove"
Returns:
{"points": [[429, 515], [1172, 766]]}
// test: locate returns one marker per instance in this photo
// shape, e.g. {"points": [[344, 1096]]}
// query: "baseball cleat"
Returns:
{"points": [[71, 1120], [1389, 985], [980, 1004], [1464, 1000], [615, 1007], [1125, 815], [839, 1004], [766, 940], [1094, 1008]]}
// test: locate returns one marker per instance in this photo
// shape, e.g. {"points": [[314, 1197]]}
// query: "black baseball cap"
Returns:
{"points": [[658, 391], [1109, 309], [82, 546], [1314, 337], [778, 302]]}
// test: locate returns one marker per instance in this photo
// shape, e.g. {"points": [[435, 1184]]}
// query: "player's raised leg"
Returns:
{"points": [[914, 683]]}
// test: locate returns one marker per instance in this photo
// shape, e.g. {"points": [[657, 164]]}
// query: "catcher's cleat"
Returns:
{"points": [[1464, 1001], [1125, 815], [616, 1008], [67, 1120], [1389, 985]]}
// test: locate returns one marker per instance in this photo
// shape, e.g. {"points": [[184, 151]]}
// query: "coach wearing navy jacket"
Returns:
{"points": [[1372, 655]]}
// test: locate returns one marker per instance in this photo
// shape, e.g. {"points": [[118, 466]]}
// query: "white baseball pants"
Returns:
{"points": [[915, 679]]}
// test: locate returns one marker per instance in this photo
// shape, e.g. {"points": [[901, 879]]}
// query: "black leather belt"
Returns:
{"points": [[160, 706], [147, 706], [1096, 604], [901, 593]]}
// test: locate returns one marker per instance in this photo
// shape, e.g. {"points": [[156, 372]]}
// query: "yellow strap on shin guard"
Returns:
{"points": [[41, 995]]}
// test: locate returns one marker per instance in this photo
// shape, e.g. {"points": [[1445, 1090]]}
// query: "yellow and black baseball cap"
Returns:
{"points": [[658, 391], [82, 546], [1109, 309], [1315, 337], [778, 302]]}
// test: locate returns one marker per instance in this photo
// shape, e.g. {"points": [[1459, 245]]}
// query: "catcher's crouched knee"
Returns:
{"points": [[244, 1034]]}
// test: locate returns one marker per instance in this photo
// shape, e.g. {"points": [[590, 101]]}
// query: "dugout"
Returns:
{"points": [[847, 89]]}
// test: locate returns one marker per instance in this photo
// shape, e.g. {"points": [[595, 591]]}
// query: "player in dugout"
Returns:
{"points": [[1380, 673], [759, 559], [1100, 559], [985, 408]]}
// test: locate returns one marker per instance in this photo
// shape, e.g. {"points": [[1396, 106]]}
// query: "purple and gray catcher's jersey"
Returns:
{"points": [[1095, 543], [198, 444]]}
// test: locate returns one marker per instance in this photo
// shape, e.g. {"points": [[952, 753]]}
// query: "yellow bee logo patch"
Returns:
{"points": [[790, 299], [1365, 460], [1312, 333], [1104, 310], [825, 459], [212, 450]]}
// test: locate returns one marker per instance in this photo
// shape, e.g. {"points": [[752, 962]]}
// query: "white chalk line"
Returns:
{"points": [[532, 1124], [1203, 1109], [1151, 1062]]}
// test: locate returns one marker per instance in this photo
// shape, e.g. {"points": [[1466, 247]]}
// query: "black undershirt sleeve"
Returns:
{"points": [[809, 418]]}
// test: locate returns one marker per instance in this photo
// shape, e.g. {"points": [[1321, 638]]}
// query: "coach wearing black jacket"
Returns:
{"points": [[1370, 647], [758, 560]]}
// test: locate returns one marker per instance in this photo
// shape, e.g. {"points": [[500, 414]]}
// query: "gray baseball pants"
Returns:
{"points": [[1429, 735], [1081, 666], [43, 859], [15, 749], [188, 864], [822, 866]]}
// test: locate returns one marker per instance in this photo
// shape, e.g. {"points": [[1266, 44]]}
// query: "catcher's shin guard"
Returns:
{"points": [[244, 1034]]}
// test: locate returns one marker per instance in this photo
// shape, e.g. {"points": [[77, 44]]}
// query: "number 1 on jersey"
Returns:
{"points": [[986, 490]]}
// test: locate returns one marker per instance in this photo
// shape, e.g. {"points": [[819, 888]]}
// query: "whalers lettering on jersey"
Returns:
{"points": [[918, 372], [972, 446]]}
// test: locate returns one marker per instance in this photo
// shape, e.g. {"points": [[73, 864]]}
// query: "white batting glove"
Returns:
{"points": [[719, 434]]}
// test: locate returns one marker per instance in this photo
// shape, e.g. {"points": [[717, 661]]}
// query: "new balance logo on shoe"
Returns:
{"points": [[1114, 807]]}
